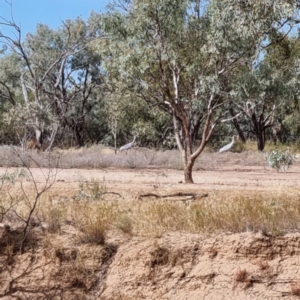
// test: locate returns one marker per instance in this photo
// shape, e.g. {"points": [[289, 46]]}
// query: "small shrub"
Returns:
{"points": [[279, 160], [13, 177], [93, 190]]}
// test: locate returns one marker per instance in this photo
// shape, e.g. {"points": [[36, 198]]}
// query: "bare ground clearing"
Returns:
{"points": [[229, 177]]}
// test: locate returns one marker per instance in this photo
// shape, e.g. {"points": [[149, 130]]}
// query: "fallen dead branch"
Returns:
{"points": [[192, 196]]}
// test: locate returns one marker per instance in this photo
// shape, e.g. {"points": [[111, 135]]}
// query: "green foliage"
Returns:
{"points": [[134, 71], [23, 116], [181, 57], [53, 80], [279, 160], [169, 141]]}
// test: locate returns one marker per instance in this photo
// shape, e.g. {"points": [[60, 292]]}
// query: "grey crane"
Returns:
{"points": [[227, 147], [128, 146]]}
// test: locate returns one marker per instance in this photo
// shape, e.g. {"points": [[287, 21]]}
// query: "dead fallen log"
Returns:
{"points": [[192, 196]]}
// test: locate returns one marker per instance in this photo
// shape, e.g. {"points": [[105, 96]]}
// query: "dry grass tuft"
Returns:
{"points": [[262, 264], [94, 231], [125, 224], [295, 288], [93, 220], [55, 219], [240, 275]]}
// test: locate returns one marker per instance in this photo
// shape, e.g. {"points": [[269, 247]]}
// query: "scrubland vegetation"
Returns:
{"points": [[75, 232], [95, 210]]}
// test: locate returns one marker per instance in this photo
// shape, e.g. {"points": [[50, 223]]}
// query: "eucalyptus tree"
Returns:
{"points": [[10, 93], [285, 55], [179, 55], [115, 114], [263, 92], [60, 77], [75, 85], [127, 117], [260, 95]]}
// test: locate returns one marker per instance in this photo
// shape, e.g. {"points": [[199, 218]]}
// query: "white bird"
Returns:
{"points": [[227, 147], [128, 146]]}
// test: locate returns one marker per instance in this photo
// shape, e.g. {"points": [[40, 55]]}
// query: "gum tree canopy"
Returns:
{"points": [[179, 55]]}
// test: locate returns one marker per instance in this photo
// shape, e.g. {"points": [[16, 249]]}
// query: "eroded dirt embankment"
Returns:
{"points": [[240, 266], [175, 266]]}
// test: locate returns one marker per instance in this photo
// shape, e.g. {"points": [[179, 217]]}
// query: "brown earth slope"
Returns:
{"points": [[174, 266]]}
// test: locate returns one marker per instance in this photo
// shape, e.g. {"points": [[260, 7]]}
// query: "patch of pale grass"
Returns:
{"points": [[268, 214], [157, 217], [93, 220], [125, 224], [99, 157], [276, 212], [11, 156]]}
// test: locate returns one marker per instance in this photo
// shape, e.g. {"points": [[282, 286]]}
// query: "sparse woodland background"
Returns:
{"points": [[177, 74]]}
